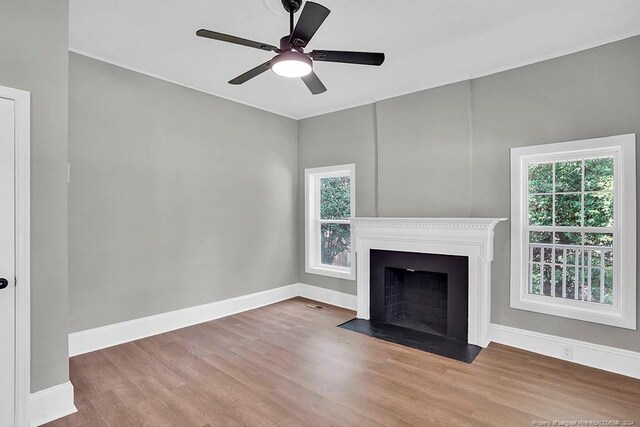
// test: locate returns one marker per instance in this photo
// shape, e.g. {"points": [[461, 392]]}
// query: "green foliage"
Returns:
{"points": [[568, 176], [598, 239], [562, 238], [335, 244], [568, 209], [335, 203], [540, 237], [598, 174], [541, 178], [555, 193], [335, 198], [598, 209], [535, 283], [608, 286], [540, 210]]}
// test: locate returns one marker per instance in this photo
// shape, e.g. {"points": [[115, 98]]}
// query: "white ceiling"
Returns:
{"points": [[427, 42]]}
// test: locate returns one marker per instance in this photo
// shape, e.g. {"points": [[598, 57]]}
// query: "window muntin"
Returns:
{"points": [[571, 228], [329, 207]]}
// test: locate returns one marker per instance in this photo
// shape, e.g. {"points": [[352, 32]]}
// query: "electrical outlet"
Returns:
{"points": [[567, 352]]}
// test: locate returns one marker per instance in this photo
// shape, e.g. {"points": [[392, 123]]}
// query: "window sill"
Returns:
{"points": [[338, 273], [602, 314]]}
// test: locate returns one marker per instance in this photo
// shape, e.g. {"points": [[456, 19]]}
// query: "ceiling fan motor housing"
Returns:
{"points": [[291, 6], [285, 44]]}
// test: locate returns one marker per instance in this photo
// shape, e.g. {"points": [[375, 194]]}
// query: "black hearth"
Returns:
{"points": [[419, 300]]}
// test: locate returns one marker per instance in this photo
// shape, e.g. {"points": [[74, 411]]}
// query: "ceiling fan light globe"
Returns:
{"points": [[291, 65]]}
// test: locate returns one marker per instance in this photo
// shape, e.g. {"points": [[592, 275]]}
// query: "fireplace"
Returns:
{"points": [[420, 291], [409, 269], [437, 261]]}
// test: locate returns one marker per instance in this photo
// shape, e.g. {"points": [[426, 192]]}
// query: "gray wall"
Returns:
{"points": [[33, 48], [422, 139], [445, 152], [347, 136], [177, 198]]}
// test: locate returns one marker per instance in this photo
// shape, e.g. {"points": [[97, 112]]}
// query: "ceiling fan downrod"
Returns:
{"points": [[290, 23], [292, 7]]}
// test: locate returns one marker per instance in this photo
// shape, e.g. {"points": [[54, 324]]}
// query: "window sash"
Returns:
{"points": [[582, 157], [320, 221], [319, 244], [334, 221]]}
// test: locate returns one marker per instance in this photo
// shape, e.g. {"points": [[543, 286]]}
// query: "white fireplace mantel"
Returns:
{"points": [[470, 237]]}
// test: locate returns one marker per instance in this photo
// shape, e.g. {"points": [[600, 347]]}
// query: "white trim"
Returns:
{"points": [[131, 330], [624, 362], [623, 312], [118, 333], [470, 237], [312, 177], [52, 403], [327, 296], [22, 102]]}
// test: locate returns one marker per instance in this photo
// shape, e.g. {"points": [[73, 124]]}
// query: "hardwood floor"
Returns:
{"points": [[286, 364]]}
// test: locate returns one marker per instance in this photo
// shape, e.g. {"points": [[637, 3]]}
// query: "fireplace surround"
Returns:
{"points": [[463, 237]]}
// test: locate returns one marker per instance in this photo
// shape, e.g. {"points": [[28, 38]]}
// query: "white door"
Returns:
{"points": [[7, 262]]}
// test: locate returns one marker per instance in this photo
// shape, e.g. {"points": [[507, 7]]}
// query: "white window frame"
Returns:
{"points": [[622, 313], [312, 177]]}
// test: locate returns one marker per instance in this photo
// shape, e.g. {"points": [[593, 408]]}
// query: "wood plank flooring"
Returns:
{"points": [[288, 365]]}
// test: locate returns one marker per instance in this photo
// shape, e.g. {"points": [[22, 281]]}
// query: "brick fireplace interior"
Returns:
{"points": [[422, 292], [416, 299]]}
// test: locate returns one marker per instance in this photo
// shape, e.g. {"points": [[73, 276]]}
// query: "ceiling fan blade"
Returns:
{"points": [[235, 40], [313, 83], [251, 73], [363, 58], [312, 16]]}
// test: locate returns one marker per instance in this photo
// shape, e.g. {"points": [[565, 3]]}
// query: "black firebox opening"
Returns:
{"points": [[420, 291], [416, 300]]}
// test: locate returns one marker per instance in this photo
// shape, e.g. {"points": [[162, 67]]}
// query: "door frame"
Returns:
{"points": [[22, 153]]}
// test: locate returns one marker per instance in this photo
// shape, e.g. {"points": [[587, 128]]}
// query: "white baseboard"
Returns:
{"points": [[619, 361], [327, 296], [51, 403], [119, 333], [611, 359]]}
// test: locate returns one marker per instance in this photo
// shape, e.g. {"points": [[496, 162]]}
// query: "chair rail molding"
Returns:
{"points": [[470, 237]]}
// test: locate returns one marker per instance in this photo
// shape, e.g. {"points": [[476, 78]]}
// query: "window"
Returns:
{"points": [[329, 198], [573, 230]]}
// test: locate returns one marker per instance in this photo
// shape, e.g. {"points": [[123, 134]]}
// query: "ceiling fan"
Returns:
{"points": [[291, 60]]}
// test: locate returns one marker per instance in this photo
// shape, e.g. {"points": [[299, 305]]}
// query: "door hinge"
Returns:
{"points": [[15, 282]]}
